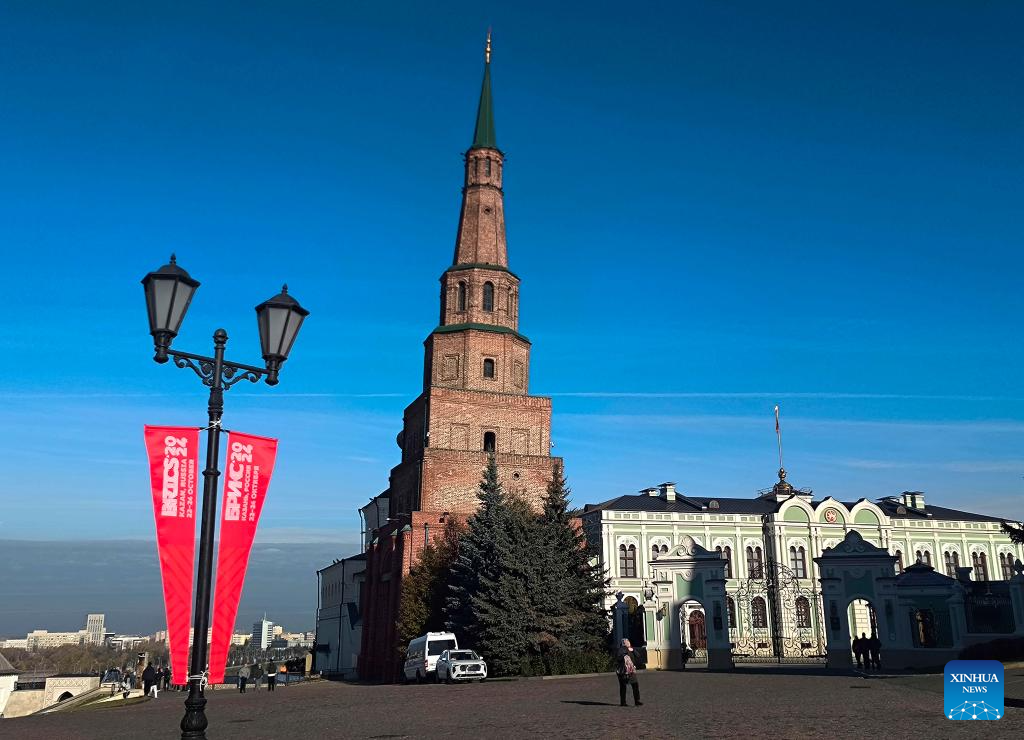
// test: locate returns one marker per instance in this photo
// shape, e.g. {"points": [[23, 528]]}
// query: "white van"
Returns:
{"points": [[423, 652]]}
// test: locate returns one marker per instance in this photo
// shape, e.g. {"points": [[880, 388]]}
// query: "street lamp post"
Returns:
{"points": [[169, 291]]}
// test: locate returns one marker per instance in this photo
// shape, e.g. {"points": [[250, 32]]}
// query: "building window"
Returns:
{"points": [[899, 561], [488, 296], [726, 553], [755, 562], [758, 613], [654, 551], [803, 612], [952, 561], [924, 557], [627, 561], [1006, 565], [730, 608], [489, 441], [980, 566], [462, 295], [798, 561], [487, 167], [488, 368]]}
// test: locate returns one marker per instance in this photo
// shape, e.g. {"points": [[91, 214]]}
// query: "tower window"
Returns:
{"points": [[462, 295], [489, 441], [488, 296], [487, 167], [488, 368]]}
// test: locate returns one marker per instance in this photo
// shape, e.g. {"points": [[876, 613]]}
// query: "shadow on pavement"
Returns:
{"points": [[588, 703]]}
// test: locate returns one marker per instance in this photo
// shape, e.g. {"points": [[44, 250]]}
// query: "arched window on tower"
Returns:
{"points": [[487, 167], [462, 295], [488, 296], [488, 368], [489, 441]]}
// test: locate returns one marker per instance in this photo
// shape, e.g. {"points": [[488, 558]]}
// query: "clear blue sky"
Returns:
{"points": [[714, 207]]}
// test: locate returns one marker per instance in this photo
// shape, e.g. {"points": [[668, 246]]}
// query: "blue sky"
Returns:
{"points": [[714, 207]]}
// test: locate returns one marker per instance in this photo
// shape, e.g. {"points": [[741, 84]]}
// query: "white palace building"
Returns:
{"points": [[761, 588]]}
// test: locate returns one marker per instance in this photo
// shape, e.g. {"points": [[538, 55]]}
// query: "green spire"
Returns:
{"points": [[483, 136]]}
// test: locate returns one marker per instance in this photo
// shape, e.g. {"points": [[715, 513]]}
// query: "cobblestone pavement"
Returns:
{"points": [[748, 702]]}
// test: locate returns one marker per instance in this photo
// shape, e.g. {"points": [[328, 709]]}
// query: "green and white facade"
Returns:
{"points": [[640, 541]]}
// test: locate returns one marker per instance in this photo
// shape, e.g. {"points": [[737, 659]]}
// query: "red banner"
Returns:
{"points": [[250, 465], [173, 473]]}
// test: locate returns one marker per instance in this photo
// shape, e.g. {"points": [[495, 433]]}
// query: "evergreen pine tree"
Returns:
{"points": [[1014, 532], [489, 606], [569, 589]]}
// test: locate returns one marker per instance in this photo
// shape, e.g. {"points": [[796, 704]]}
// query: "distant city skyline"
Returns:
{"points": [[42, 590], [713, 207]]}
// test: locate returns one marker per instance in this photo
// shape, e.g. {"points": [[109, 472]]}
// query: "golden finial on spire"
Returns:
{"points": [[487, 50]]}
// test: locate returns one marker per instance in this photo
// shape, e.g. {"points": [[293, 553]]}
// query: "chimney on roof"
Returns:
{"points": [[649, 491], [668, 490], [913, 499]]}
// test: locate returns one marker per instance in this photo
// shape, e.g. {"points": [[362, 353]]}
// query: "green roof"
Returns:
{"points": [[483, 136]]}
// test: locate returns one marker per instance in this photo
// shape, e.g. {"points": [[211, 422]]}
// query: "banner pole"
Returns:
{"points": [[194, 723]]}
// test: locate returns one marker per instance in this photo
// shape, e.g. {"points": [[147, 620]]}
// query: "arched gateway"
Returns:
{"points": [[686, 604]]}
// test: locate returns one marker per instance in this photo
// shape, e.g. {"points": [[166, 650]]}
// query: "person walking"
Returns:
{"points": [[282, 673], [271, 676], [686, 654], [860, 649], [626, 673], [257, 675], [149, 680], [874, 652], [243, 678]]}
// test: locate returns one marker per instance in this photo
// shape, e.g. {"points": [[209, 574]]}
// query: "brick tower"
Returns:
{"points": [[475, 399]]}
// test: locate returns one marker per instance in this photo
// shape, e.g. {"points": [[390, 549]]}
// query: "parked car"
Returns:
{"points": [[460, 665], [422, 654]]}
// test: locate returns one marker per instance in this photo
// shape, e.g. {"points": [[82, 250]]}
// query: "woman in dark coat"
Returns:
{"points": [[626, 671]]}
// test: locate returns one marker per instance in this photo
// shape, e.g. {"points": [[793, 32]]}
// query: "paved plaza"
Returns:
{"points": [[749, 702]]}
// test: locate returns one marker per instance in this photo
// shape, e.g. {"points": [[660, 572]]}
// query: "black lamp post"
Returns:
{"points": [[169, 291]]}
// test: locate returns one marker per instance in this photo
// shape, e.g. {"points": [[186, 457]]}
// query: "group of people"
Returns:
{"points": [[256, 673], [868, 651], [125, 680]]}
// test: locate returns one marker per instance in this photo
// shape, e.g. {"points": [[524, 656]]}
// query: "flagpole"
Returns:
{"points": [[778, 433]]}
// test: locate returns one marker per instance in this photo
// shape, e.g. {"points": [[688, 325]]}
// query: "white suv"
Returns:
{"points": [[460, 665]]}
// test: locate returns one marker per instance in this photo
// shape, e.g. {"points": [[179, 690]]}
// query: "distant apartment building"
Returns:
{"points": [[15, 643], [262, 633], [94, 628], [42, 639], [240, 638]]}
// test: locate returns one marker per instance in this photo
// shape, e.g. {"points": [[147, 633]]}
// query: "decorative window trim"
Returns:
{"points": [[627, 540]]}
